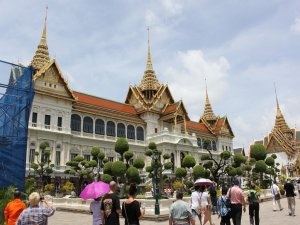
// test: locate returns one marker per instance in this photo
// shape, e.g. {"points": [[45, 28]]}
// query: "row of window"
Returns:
{"points": [[47, 121], [108, 129], [100, 127], [227, 148], [209, 145]]}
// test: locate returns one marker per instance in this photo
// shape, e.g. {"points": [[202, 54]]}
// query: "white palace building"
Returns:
{"points": [[71, 122]]}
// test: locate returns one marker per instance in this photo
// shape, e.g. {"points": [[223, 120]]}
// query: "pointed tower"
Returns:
{"points": [[280, 122], [41, 56], [149, 84], [208, 114]]}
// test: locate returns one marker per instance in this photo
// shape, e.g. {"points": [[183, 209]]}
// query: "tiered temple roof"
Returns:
{"points": [[41, 56]]}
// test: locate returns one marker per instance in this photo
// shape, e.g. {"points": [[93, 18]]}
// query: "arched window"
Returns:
{"points": [[199, 142], [75, 122], [110, 129], [121, 130], [88, 125], [99, 127], [130, 132], [214, 145], [140, 133]]}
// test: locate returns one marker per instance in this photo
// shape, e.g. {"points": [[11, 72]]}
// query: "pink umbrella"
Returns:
{"points": [[94, 190], [203, 182]]}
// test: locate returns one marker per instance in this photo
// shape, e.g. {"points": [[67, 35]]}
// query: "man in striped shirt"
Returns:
{"points": [[35, 215]]}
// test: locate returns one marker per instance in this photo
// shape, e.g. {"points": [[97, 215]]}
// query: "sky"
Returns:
{"points": [[241, 48]]}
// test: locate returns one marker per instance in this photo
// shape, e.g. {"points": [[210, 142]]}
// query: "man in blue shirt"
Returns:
{"points": [[180, 212]]}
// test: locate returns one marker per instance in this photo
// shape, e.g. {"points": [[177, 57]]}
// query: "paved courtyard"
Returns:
{"points": [[268, 217]]}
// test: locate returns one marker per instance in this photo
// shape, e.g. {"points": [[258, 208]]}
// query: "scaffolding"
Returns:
{"points": [[16, 96]]}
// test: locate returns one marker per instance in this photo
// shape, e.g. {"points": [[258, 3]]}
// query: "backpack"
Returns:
{"points": [[252, 198]]}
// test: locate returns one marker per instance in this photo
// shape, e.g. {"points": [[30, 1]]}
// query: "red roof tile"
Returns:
{"points": [[92, 100], [170, 108], [196, 126]]}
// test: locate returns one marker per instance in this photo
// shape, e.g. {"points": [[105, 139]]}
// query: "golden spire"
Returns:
{"points": [[41, 56], [208, 112], [280, 122], [149, 61], [149, 81]]}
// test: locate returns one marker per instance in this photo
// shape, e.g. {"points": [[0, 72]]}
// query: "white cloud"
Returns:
{"points": [[295, 27], [173, 6], [187, 79]]}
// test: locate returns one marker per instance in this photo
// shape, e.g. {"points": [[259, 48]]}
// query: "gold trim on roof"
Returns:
{"points": [[208, 114], [280, 122], [149, 81], [41, 56]]}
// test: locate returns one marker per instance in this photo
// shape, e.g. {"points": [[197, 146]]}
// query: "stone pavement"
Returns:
{"points": [[267, 217]]}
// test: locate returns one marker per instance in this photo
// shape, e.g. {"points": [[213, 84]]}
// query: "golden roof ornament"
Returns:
{"points": [[149, 81], [208, 114], [41, 56], [280, 122]]}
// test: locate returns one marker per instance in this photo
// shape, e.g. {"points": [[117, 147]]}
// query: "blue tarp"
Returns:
{"points": [[15, 106]]}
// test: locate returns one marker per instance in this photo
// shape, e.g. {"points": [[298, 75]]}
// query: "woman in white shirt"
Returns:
{"points": [[276, 192], [204, 203], [195, 204]]}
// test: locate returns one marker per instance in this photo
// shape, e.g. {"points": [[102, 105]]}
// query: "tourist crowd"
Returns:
{"points": [[205, 201]]}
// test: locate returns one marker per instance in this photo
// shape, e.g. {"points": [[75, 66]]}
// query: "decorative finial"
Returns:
{"points": [[277, 103], [208, 112], [206, 88], [41, 56], [149, 61], [149, 81]]}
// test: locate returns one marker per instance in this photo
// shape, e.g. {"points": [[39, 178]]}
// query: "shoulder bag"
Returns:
{"points": [[276, 195], [126, 217]]}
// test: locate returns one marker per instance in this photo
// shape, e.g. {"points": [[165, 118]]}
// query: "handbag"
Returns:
{"points": [[276, 196]]}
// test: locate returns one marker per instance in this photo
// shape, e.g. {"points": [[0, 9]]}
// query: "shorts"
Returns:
{"points": [[195, 213]]}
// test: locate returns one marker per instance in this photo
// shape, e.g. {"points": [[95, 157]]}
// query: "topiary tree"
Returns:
{"points": [[128, 155], [260, 167], [97, 162], [81, 168], [239, 159], [160, 166], [132, 175], [43, 168], [216, 165], [198, 172], [188, 161], [121, 147], [107, 168], [270, 161], [118, 169], [139, 163], [106, 178], [180, 172], [258, 152]]}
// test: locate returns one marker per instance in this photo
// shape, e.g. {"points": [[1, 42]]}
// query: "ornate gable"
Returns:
{"points": [[157, 103], [282, 137], [49, 79], [222, 127]]}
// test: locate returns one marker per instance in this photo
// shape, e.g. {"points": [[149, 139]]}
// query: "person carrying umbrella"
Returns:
{"points": [[95, 191], [95, 207]]}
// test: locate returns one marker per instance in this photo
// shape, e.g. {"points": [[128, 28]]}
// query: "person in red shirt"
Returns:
{"points": [[13, 209]]}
